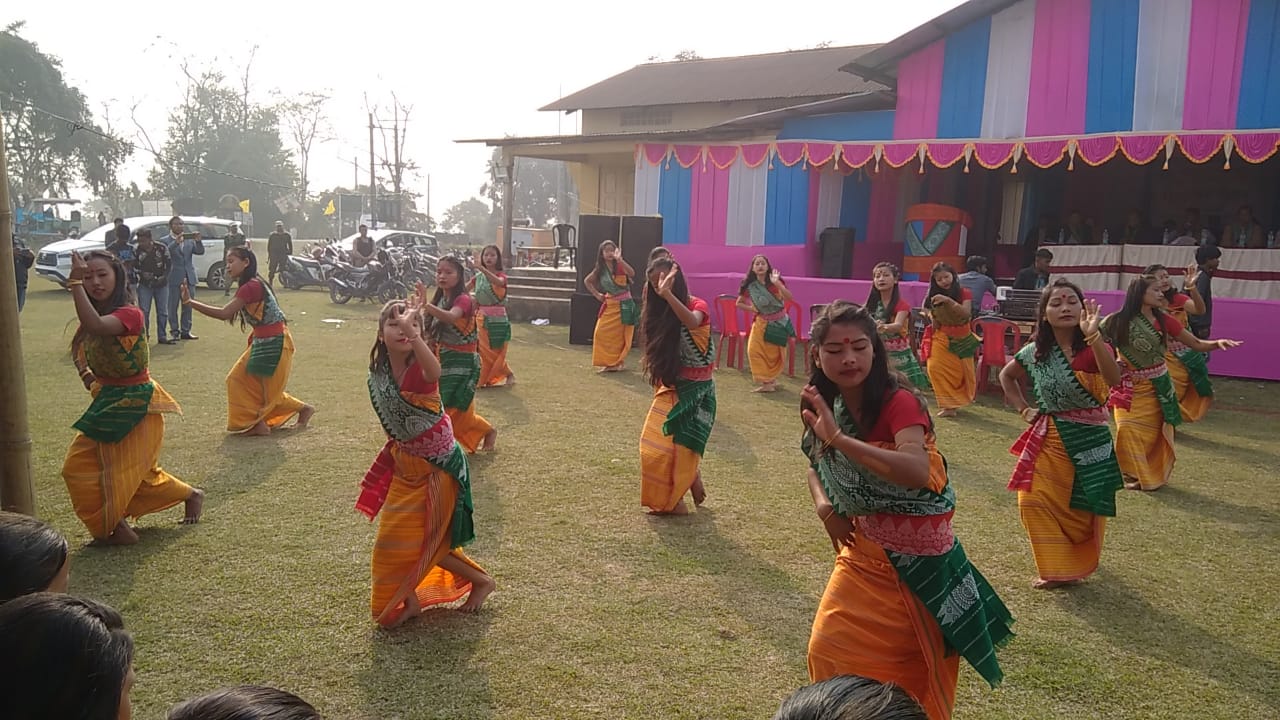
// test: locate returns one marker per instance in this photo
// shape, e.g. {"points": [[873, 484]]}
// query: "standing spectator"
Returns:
{"points": [[362, 248], [119, 246], [234, 239], [151, 259], [1245, 232], [1036, 276], [102, 218], [120, 227], [23, 259], [279, 248], [977, 281], [1207, 257], [182, 271]]}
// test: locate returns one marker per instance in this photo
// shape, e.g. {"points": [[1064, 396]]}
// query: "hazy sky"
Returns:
{"points": [[468, 69]]}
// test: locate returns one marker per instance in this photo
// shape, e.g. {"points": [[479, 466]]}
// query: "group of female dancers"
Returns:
{"points": [[903, 603]]}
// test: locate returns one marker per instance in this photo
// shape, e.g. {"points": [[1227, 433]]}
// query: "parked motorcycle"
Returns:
{"points": [[373, 282], [315, 269]]}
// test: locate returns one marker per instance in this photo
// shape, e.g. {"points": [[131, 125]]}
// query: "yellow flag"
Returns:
{"points": [[244, 206], [330, 209]]}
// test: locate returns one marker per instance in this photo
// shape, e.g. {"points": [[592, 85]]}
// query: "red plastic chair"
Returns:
{"points": [[992, 355], [731, 332], [793, 311]]}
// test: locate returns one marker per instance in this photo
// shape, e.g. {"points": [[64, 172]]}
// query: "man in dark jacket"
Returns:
{"points": [[1036, 276], [23, 259], [279, 248]]}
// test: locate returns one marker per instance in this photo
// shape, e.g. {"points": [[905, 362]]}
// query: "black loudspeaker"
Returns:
{"points": [[835, 253], [583, 309], [640, 235], [593, 230]]}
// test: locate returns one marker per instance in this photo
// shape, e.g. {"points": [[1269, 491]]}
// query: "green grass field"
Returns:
{"points": [[603, 611]]}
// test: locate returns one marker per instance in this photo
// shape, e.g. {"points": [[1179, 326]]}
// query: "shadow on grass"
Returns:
{"points": [[487, 500], [780, 610], [1112, 608], [505, 398], [1238, 454], [729, 442], [424, 668], [246, 462], [110, 571], [1212, 508]]}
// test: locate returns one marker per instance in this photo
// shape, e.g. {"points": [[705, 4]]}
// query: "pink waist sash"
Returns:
{"points": [[773, 317], [1122, 394], [1031, 442], [697, 373], [909, 534], [492, 310]]}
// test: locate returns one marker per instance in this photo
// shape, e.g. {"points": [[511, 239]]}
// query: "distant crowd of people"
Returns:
{"points": [[1244, 231]]}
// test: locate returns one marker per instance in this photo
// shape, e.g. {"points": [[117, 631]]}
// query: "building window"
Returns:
{"points": [[645, 116]]}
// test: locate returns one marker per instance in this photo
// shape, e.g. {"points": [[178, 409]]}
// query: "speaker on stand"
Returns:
{"points": [[583, 309], [835, 253]]}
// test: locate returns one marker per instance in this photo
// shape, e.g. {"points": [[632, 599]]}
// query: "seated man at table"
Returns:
{"points": [[1245, 232], [1035, 277], [977, 281]]}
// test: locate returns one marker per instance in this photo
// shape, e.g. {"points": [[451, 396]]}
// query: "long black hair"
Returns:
{"points": [[62, 657], [1117, 324], [602, 265], [249, 274], [873, 298], [1045, 340], [661, 326], [881, 382], [751, 276], [497, 251], [246, 702], [121, 293], [32, 554], [954, 292], [850, 697]]}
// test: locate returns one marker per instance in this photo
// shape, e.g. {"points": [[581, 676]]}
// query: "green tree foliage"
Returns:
{"points": [[472, 217], [221, 143], [47, 155]]}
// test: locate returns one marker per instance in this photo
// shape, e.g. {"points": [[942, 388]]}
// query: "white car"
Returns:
{"points": [[387, 238], [53, 261]]}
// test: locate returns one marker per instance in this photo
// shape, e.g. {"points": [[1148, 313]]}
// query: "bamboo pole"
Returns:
{"points": [[15, 437]]}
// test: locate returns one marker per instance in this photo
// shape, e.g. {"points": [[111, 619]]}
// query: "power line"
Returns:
{"points": [[77, 125]]}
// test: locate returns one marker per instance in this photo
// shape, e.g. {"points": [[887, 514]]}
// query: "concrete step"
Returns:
{"points": [[524, 309], [540, 281], [541, 272], [564, 293]]}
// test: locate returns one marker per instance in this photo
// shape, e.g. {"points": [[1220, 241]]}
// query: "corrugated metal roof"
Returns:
{"points": [[881, 64], [796, 74]]}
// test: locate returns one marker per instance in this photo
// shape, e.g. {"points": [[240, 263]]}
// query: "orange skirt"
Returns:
{"points": [[493, 363], [611, 342], [413, 537], [1193, 405], [1144, 441], [111, 481], [469, 428], [252, 399], [765, 358], [667, 470], [1066, 543], [954, 380], [869, 623]]}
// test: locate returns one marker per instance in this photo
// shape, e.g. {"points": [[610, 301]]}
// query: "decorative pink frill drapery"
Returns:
{"points": [[1142, 148]]}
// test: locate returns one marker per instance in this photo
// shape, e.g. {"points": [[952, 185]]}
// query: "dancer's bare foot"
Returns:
{"points": [[601, 370], [947, 412], [121, 535], [1132, 484], [412, 609], [1042, 584], [480, 590], [490, 440], [193, 507], [304, 416], [511, 380], [698, 491], [616, 368], [679, 509], [262, 429]]}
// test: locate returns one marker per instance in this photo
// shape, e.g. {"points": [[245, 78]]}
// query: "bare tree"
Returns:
{"points": [[303, 116]]}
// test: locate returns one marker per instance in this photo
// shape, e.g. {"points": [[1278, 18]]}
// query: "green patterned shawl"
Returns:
{"points": [[630, 311], [117, 409], [264, 353], [776, 332], [1146, 349]]}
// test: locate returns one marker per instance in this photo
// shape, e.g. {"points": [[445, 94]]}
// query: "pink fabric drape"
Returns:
{"points": [[898, 155], [655, 153], [688, 155], [1059, 68], [815, 191], [945, 154], [755, 154], [1199, 148], [1097, 150], [855, 156], [1256, 147], [1045, 153], [992, 155], [1215, 59], [709, 209], [790, 153], [723, 156], [820, 153], [919, 93], [1142, 149], [884, 209]]}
